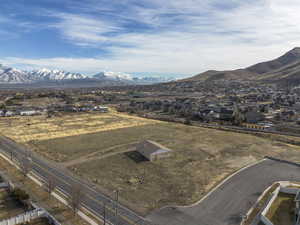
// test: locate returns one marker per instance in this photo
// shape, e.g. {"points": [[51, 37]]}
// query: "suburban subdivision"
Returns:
{"points": [[113, 167], [149, 112]]}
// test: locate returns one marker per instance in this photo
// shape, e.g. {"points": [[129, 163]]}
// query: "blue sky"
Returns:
{"points": [[167, 37]]}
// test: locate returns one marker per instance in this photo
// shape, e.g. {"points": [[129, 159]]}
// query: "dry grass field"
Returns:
{"points": [[37, 102], [95, 146], [26, 129], [202, 158]]}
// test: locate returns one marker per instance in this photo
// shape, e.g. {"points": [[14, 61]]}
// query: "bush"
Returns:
{"points": [[19, 194], [187, 121]]}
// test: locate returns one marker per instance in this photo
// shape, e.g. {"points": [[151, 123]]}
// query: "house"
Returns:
{"points": [[152, 150], [288, 115], [222, 113], [10, 113], [29, 113], [254, 117], [102, 109]]}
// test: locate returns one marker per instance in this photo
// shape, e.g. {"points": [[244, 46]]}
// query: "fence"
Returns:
{"points": [[46, 214], [51, 218], [23, 218]]}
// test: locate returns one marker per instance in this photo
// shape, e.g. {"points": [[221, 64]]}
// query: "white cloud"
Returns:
{"points": [[186, 36], [83, 30]]}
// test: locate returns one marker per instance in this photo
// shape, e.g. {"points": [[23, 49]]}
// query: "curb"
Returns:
{"points": [[214, 189], [282, 160]]}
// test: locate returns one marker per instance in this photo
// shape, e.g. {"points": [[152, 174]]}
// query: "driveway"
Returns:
{"points": [[227, 204]]}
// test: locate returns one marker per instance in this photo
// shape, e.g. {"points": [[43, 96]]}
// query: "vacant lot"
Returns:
{"points": [[26, 129], [201, 158], [37, 102], [95, 145]]}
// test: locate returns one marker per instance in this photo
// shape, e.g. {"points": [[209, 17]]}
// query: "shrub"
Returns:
{"points": [[19, 194]]}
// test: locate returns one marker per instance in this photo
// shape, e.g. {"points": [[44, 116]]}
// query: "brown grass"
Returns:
{"points": [[202, 157], [25, 129]]}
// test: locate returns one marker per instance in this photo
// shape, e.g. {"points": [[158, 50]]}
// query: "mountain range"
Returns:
{"points": [[284, 68], [14, 76]]}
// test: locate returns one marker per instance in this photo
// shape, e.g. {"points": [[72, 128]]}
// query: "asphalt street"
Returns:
{"points": [[227, 204], [93, 199]]}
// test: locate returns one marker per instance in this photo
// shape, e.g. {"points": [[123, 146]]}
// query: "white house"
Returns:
{"points": [[29, 113], [10, 113]]}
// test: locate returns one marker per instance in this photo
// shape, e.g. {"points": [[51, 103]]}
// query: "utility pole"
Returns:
{"points": [[104, 213], [117, 205]]}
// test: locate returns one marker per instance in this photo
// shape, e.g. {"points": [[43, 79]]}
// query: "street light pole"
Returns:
{"points": [[104, 213], [117, 203]]}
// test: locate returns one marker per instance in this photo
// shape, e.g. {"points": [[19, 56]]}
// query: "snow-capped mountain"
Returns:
{"points": [[11, 75], [131, 79], [15, 76], [46, 74], [117, 76]]}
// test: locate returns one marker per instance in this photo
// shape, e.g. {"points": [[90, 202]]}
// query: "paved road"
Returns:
{"points": [[227, 204], [93, 199]]}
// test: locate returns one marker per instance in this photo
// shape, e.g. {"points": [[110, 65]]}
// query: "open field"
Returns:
{"points": [[9, 207], [201, 159], [25, 129], [37, 102], [94, 146]]}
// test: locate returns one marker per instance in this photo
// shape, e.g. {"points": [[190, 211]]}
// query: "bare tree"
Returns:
{"points": [[75, 197], [50, 182]]}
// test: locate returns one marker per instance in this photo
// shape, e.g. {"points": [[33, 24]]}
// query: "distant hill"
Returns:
{"points": [[286, 67]]}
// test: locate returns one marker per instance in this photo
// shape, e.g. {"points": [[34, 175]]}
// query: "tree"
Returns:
{"points": [[50, 113], [75, 197], [238, 116]]}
